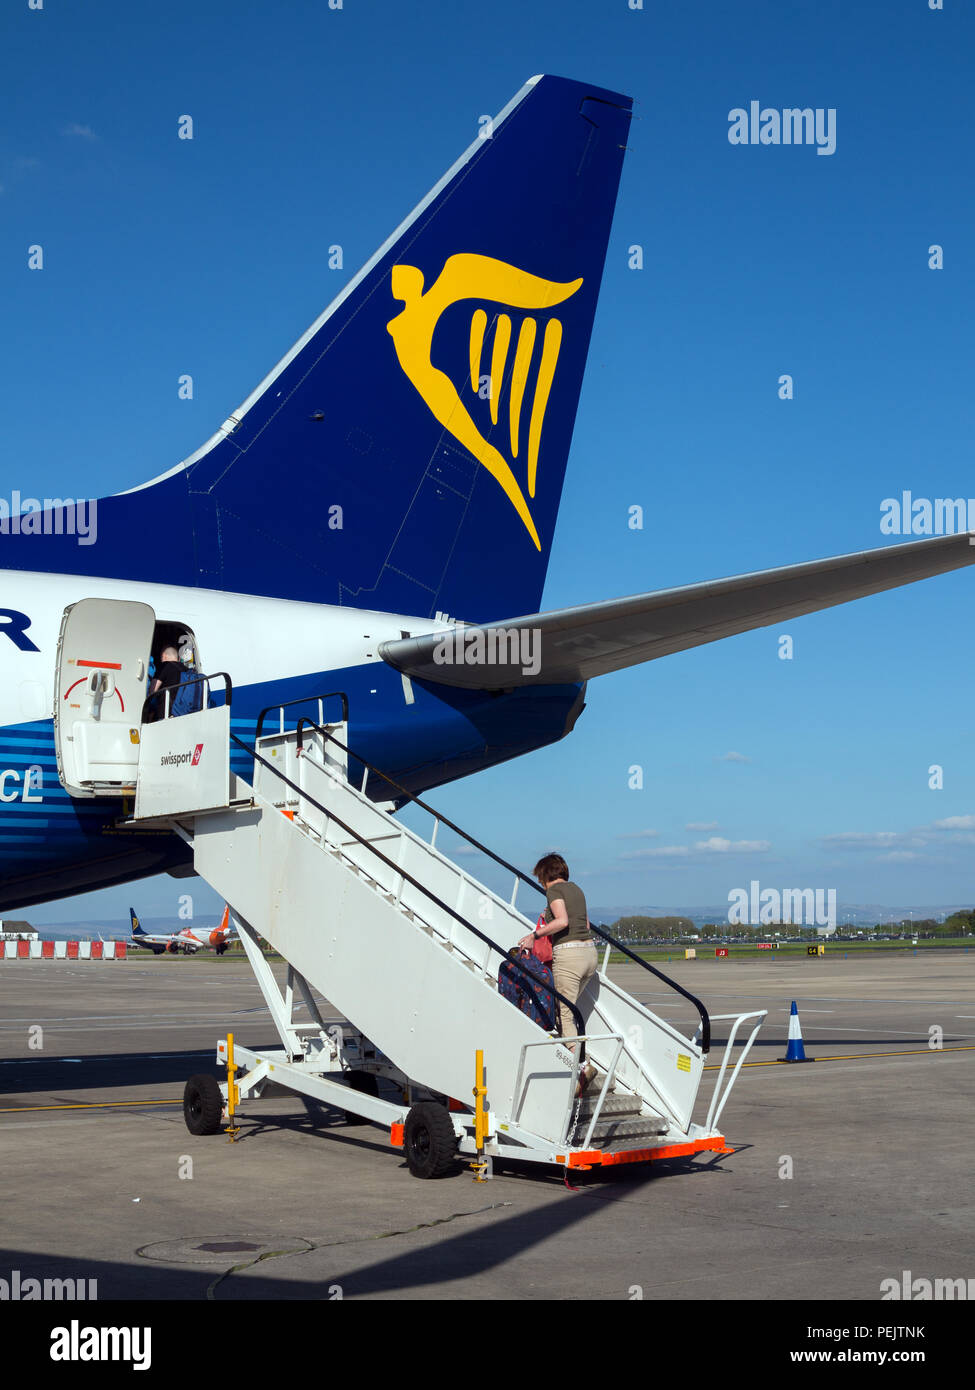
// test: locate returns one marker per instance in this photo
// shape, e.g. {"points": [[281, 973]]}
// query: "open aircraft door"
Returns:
{"points": [[99, 691]]}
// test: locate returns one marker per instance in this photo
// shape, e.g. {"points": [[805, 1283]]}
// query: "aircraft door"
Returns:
{"points": [[99, 691]]}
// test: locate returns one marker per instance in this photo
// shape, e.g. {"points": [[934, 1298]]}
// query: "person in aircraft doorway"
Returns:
{"points": [[574, 957], [168, 675]]}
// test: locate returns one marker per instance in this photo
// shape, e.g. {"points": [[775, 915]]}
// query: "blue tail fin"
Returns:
{"points": [[408, 453], [136, 928]]}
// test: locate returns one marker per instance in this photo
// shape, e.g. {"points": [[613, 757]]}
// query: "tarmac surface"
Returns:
{"points": [[845, 1173]]}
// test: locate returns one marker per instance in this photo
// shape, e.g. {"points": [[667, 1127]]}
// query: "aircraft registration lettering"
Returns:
{"points": [[33, 782], [14, 624], [470, 276]]}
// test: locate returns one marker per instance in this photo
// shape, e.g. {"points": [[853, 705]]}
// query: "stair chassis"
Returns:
{"points": [[304, 1077], [322, 1067]]}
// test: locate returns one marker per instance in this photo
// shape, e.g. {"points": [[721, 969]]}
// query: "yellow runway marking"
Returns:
{"points": [[88, 1105], [853, 1057]]}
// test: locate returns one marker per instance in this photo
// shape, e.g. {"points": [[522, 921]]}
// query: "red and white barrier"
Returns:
{"points": [[63, 950]]}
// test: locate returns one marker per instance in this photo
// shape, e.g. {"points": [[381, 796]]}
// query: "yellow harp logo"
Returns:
{"points": [[469, 276]]}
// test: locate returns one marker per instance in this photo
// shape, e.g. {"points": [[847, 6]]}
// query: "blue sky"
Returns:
{"points": [[315, 126]]}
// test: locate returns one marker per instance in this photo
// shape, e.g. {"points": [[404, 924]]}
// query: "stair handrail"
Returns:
{"points": [[599, 931], [304, 700], [170, 690], [705, 1016], [502, 951]]}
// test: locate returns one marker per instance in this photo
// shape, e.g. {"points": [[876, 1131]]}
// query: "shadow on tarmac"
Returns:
{"points": [[33, 1075], [478, 1247]]}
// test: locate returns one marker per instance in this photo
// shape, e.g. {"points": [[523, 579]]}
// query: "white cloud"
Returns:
{"points": [[733, 758], [718, 845], [85, 131], [658, 852], [906, 846], [868, 839], [638, 835], [715, 845], [702, 825]]}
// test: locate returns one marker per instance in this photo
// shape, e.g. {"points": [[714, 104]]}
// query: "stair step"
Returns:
{"points": [[628, 1145], [645, 1127], [614, 1104]]}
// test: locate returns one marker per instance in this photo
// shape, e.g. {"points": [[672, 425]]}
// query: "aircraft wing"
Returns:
{"points": [[575, 644]]}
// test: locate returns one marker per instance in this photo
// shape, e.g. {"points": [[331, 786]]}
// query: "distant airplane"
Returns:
{"points": [[221, 937], [183, 942], [161, 943]]}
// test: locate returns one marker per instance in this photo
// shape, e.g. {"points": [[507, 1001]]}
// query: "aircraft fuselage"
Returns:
{"points": [[275, 650]]}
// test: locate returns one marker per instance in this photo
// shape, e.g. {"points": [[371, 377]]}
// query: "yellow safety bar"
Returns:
{"points": [[233, 1090], [480, 1117]]}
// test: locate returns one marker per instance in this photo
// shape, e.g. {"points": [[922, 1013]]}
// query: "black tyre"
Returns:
{"points": [[203, 1105], [366, 1083], [429, 1140]]}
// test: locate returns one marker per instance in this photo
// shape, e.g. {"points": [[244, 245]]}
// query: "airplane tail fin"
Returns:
{"points": [[408, 453], [136, 927]]}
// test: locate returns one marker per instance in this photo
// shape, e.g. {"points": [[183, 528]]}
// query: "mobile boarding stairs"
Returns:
{"points": [[407, 947]]}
